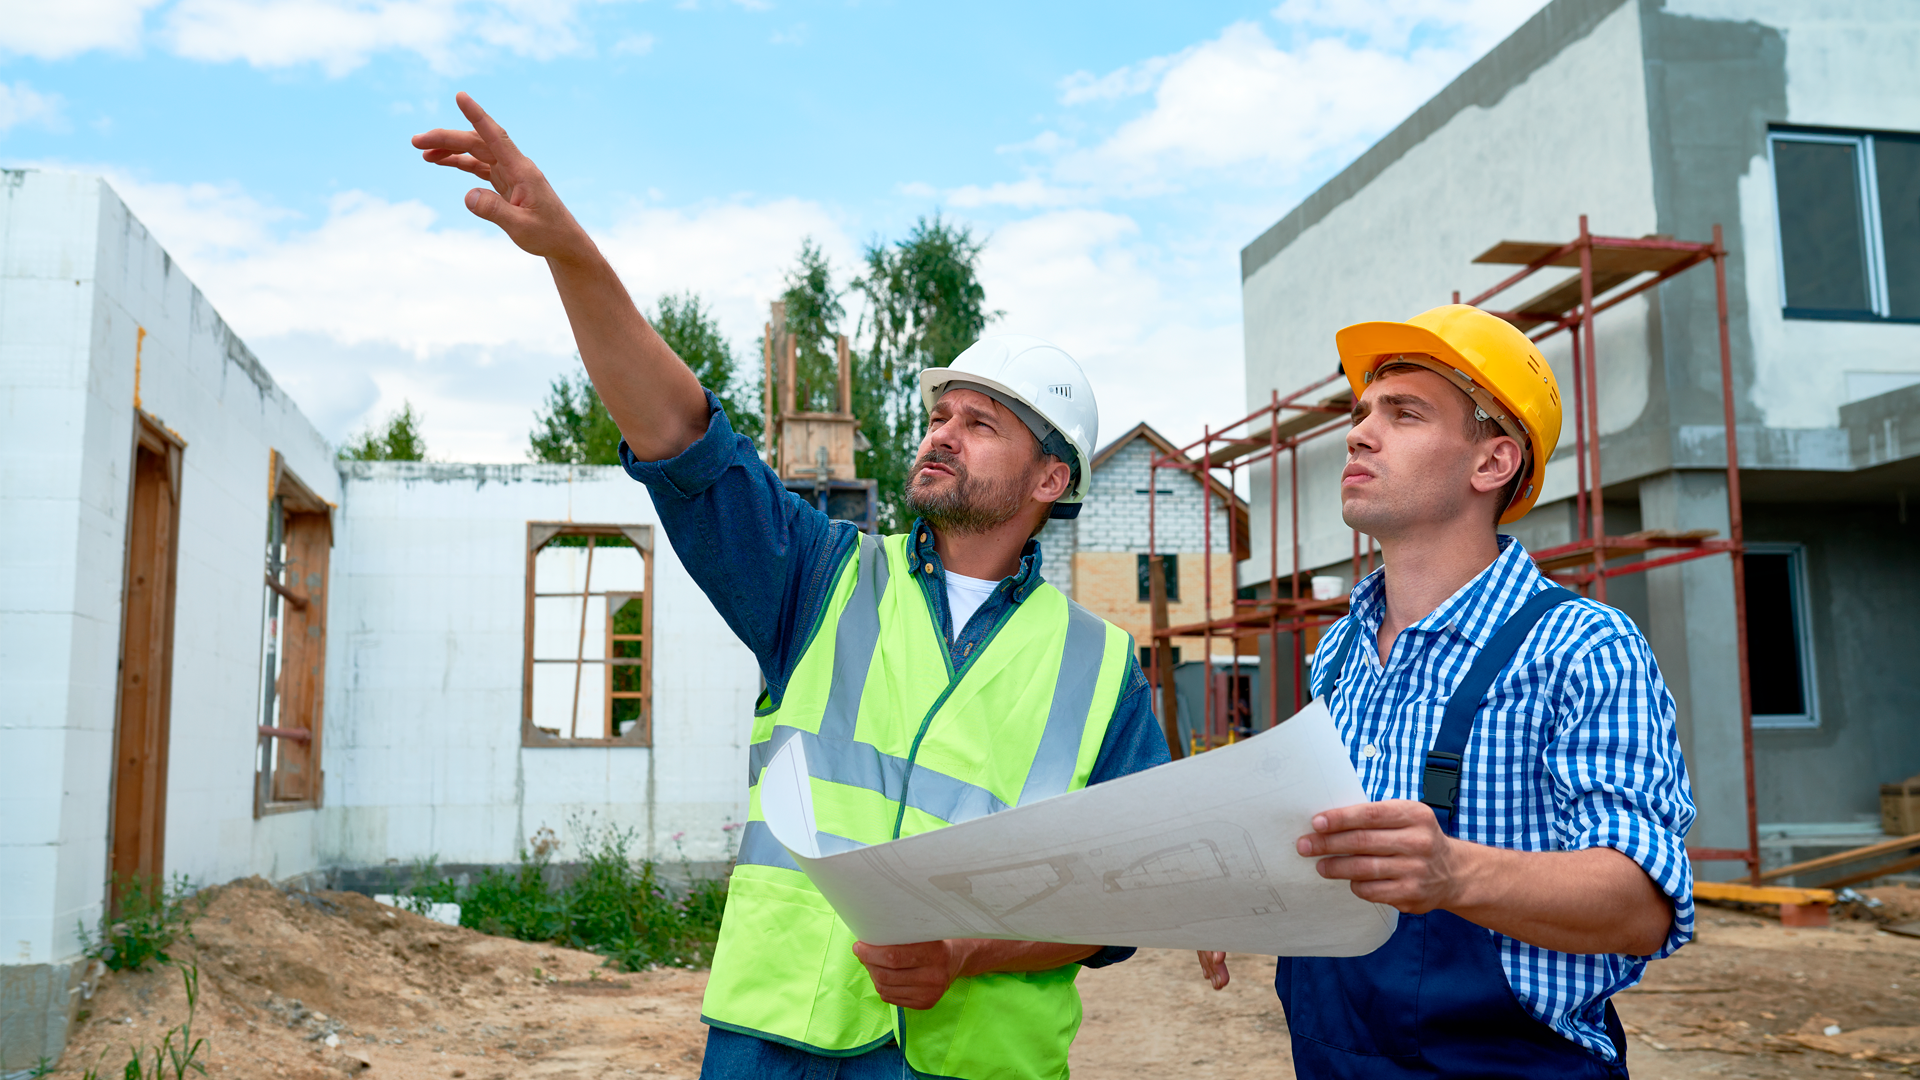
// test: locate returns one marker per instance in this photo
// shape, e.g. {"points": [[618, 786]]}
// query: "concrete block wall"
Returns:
{"points": [[99, 321], [1115, 518], [424, 678]]}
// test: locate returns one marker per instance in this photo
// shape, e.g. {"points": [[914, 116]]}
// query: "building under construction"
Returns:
{"points": [[1711, 223]]}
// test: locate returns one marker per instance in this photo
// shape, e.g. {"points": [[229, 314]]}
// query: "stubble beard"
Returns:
{"points": [[968, 506]]}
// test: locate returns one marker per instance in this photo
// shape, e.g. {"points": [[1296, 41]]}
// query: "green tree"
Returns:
{"points": [[689, 328], [925, 305], [814, 314], [399, 438], [573, 428]]}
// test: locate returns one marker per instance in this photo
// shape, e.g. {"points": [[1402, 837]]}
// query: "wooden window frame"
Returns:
{"points": [[539, 535], [287, 754]]}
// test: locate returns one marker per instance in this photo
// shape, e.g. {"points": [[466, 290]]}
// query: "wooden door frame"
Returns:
{"points": [[149, 436]]}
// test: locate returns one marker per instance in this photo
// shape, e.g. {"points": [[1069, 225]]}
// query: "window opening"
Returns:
{"points": [[287, 769], [1779, 652], [1848, 213], [1170, 565], [588, 661]]}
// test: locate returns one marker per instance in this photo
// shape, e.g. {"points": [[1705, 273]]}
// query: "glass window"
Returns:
{"points": [[1170, 565], [588, 656], [1848, 206], [1897, 176], [1823, 247], [1779, 667]]}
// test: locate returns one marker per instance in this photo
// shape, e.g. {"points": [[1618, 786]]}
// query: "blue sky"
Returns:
{"points": [[1115, 156]]}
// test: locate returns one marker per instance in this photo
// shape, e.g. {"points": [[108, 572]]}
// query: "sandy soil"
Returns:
{"points": [[320, 985], [312, 985]]}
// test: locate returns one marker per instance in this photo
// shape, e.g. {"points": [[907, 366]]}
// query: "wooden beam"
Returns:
{"points": [[1163, 656], [1898, 867], [1759, 894], [1843, 858]]}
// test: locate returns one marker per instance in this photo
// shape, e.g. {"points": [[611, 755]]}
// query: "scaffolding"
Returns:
{"points": [[1611, 270]]}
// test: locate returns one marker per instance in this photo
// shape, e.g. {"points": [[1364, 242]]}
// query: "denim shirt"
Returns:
{"points": [[767, 560]]}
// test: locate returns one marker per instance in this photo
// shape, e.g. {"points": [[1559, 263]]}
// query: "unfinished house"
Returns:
{"points": [[1791, 128], [1100, 560], [226, 653]]}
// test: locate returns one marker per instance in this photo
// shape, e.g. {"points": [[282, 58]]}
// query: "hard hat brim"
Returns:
{"points": [[1363, 346]]}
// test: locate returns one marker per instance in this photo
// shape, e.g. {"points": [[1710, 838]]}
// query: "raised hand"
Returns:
{"points": [[522, 203]]}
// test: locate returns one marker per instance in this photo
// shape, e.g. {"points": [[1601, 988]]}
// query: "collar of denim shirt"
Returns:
{"points": [[925, 564]]}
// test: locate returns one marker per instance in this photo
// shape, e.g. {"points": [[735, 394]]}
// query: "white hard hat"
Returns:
{"points": [[1043, 386]]}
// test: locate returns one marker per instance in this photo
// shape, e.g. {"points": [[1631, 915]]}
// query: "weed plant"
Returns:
{"points": [[179, 1052], [152, 916], [613, 903]]}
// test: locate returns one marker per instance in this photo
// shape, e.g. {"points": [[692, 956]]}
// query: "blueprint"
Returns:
{"points": [[1197, 854]]}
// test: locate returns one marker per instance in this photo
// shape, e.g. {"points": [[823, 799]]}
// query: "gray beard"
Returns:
{"points": [[969, 507]]}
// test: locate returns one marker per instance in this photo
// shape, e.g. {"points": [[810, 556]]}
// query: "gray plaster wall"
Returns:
{"points": [[1550, 124], [1863, 568]]}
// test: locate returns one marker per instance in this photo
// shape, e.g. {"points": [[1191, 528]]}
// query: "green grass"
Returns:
{"points": [[152, 916], [612, 902]]}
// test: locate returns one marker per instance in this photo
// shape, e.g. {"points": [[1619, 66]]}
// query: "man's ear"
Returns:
{"points": [[1054, 477], [1500, 459]]}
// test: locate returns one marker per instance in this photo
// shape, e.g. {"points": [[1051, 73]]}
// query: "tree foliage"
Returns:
{"points": [[814, 317], [925, 305], [573, 428], [399, 438]]}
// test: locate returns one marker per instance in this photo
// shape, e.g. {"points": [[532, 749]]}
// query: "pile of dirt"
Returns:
{"points": [[319, 985], [323, 984]]}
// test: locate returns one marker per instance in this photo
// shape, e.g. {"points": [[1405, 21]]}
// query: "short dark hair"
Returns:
{"points": [[1477, 431]]}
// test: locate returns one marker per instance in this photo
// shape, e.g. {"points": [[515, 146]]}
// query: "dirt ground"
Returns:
{"points": [[320, 985]]}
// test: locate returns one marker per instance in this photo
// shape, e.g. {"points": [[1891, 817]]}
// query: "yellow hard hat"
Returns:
{"points": [[1495, 364]]}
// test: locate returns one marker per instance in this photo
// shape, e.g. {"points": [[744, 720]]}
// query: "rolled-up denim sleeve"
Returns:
{"points": [[763, 556], [1619, 779]]}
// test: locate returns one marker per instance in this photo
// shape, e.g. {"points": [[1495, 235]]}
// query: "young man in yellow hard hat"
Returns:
{"points": [[1531, 798], [933, 676]]}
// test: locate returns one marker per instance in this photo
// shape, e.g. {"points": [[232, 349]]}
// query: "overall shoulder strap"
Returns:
{"points": [[1337, 663], [1440, 784]]}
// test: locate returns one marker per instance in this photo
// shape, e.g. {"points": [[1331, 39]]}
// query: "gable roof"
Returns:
{"points": [[1144, 430]]}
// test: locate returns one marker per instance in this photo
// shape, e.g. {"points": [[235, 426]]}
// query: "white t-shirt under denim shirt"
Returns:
{"points": [[964, 597]]}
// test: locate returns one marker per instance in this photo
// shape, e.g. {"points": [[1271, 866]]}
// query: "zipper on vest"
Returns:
{"points": [[953, 683]]}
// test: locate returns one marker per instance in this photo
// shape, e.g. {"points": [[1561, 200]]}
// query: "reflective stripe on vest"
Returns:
{"points": [[893, 753]]}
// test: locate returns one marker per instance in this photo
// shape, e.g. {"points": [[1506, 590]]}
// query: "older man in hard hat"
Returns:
{"points": [[934, 676], [1532, 801]]}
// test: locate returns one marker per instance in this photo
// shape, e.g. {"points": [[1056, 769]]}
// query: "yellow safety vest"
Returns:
{"points": [[900, 741]]}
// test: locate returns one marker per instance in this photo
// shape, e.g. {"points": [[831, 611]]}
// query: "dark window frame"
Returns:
{"points": [[1171, 562], [1872, 226], [1798, 594]]}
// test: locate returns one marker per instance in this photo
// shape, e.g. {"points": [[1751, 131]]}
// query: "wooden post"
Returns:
{"points": [[846, 374], [1163, 656]]}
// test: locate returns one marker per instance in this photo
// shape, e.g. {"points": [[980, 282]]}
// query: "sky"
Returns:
{"points": [[1114, 157]]}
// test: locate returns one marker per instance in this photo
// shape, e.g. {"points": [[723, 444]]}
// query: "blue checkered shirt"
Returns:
{"points": [[1573, 747]]}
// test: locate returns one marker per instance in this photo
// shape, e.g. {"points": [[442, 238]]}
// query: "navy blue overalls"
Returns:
{"points": [[1434, 1000]]}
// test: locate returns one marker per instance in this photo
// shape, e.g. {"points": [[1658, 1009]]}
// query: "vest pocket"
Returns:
{"points": [[785, 967]]}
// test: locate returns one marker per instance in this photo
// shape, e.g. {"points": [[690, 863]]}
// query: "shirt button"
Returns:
{"points": [[928, 568], [1369, 752]]}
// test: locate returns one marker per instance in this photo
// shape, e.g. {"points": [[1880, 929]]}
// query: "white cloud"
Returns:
{"points": [[1024, 194], [1154, 344], [1467, 26], [1084, 86], [340, 35], [384, 301], [55, 29], [22, 104], [634, 45]]}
